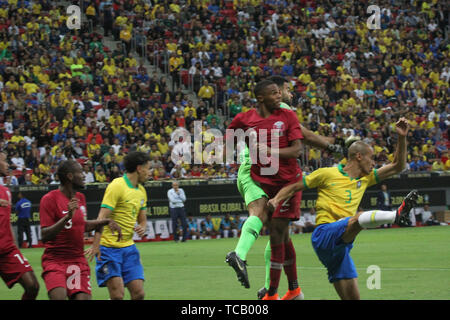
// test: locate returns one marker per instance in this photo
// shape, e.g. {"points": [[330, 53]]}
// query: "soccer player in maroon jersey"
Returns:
{"points": [[14, 267], [281, 126], [63, 213]]}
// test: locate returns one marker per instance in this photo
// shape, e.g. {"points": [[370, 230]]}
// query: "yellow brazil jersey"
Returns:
{"points": [[126, 202], [338, 194]]}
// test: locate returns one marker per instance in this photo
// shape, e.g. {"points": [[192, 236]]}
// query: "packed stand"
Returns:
{"points": [[64, 94], [348, 80]]}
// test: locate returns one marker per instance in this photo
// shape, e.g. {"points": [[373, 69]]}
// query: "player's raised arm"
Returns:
{"points": [[400, 156], [318, 141], [285, 193]]}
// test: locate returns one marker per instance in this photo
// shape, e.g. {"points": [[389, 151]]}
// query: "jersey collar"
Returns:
{"points": [[341, 170], [129, 184]]}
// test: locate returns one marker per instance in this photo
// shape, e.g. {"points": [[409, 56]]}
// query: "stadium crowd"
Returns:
{"points": [[65, 94]]}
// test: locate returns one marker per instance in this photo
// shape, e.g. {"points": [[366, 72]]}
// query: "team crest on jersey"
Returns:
{"points": [[358, 184], [279, 126]]}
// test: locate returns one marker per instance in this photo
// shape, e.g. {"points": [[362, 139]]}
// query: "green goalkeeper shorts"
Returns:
{"points": [[249, 189]]}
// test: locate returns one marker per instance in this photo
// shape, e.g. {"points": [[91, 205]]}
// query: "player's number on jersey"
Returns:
{"points": [[349, 195], [68, 224]]}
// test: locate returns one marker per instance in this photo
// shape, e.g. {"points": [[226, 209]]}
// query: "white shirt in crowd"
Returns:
{"points": [[88, 177], [103, 112], [18, 162]]}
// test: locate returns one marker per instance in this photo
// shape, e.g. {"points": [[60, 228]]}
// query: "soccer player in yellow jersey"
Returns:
{"points": [[340, 190], [118, 263]]}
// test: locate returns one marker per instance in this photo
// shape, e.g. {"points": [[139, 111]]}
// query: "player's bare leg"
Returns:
{"points": [[352, 230], [136, 289], [347, 289], [258, 208], [116, 288], [30, 284], [81, 296], [58, 293]]}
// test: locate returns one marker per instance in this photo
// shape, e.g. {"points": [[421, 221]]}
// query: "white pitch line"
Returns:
{"points": [[309, 268]]}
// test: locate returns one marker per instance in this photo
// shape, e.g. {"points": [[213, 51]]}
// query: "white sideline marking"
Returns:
{"points": [[310, 268]]}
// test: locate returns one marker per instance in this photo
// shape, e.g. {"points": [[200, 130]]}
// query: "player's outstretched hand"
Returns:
{"points": [[402, 126], [92, 252], [140, 231], [272, 204], [114, 227]]}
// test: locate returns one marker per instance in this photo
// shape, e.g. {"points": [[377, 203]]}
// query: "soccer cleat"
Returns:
{"points": [[274, 297], [261, 293], [402, 218], [239, 266], [295, 294]]}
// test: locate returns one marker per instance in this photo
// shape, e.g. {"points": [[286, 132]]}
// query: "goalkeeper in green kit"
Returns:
{"points": [[256, 201]]}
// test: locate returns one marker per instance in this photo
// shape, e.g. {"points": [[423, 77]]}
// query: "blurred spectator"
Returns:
{"points": [[418, 164], [237, 223], [193, 229], [227, 226], [305, 224], [10, 179], [384, 199], [88, 176], [207, 228]]}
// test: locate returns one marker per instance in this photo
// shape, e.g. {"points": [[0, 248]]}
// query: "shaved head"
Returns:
{"points": [[358, 147]]}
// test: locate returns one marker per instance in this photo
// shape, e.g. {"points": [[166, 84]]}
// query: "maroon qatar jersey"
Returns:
{"points": [[6, 237], [282, 123], [68, 245]]}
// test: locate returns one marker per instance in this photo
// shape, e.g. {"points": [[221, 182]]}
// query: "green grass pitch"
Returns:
{"points": [[414, 264]]}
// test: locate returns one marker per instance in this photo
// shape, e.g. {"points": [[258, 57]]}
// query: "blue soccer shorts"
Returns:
{"points": [[119, 262], [332, 252]]}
